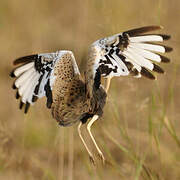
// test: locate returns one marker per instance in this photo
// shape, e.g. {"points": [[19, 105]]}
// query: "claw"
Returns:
{"points": [[91, 158], [101, 156]]}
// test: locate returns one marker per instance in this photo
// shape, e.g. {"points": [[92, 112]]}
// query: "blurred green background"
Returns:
{"points": [[139, 132]]}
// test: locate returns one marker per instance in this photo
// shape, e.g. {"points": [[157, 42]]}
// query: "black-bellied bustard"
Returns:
{"points": [[75, 99]]}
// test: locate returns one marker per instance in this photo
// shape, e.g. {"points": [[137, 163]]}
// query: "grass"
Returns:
{"points": [[139, 132]]}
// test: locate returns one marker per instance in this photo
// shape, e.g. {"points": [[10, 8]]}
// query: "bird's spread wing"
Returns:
{"points": [[132, 52], [35, 76]]}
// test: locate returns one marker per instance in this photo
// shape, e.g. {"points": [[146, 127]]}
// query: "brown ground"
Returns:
{"points": [[140, 130]]}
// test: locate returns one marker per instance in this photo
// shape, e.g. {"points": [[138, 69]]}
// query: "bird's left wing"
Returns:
{"points": [[35, 75], [131, 52]]}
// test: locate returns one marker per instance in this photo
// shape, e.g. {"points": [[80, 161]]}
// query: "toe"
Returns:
{"points": [[91, 158], [102, 157]]}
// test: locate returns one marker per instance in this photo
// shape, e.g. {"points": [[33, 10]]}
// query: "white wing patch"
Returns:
{"points": [[131, 52], [35, 77], [22, 69], [149, 38]]}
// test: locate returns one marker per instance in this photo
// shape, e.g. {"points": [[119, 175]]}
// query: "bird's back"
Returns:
{"points": [[69, 93]]}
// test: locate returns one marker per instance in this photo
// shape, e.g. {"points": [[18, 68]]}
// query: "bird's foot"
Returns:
{"points": [[101, 156], [91, 158]]}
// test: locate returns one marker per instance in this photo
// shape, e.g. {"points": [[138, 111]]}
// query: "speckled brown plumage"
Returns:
{"points": [[71, 102]]}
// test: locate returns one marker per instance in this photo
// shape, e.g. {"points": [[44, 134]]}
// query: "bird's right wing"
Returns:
{"points": [[130, 52], [35, 75]]}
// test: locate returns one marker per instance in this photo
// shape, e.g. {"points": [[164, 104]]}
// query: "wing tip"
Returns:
{"points": [[11, 74], [18, 61], [144, 72], [164, 59], [158, 69], [25, 59], [21, 104], [142, 30], [166, 37], [26, 107], [17, 95], [14, 86], [168, 49]]}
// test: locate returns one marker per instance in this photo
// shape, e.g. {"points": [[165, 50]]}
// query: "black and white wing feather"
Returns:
{"points": [[35, 77], [131, 52]]}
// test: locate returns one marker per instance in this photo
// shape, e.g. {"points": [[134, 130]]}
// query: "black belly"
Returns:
{"points": [[85, 117]]}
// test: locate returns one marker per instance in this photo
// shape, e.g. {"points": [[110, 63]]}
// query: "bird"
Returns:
{"points": [[80, 98]]}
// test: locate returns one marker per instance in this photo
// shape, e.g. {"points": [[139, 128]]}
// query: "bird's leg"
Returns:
{"points": [[82, 139], [108, 81], [95, 117]]}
